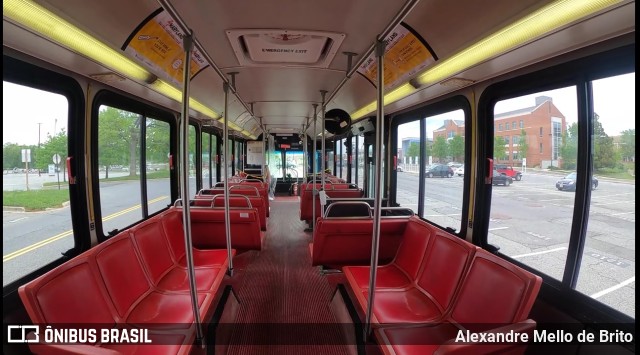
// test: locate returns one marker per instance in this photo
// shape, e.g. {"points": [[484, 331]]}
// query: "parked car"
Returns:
{"points": [[568, 183], [499, 178], [459, 171], [509, 171], [439, 170], [399, 169]]}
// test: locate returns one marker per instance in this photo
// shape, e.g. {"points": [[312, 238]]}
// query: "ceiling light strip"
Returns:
{"points": [[538, 23]]}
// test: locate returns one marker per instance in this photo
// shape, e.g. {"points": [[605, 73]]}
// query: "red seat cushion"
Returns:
{"points": [[407, 306]]}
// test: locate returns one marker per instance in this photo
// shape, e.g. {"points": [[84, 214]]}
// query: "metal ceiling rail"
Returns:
{"points": [[168, 7], [404, 11]]}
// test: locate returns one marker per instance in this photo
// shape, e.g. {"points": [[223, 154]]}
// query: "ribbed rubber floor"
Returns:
{"points": [[284, 301]]}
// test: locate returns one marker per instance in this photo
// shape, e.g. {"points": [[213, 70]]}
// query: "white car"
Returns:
{"points": [[460, 171]]}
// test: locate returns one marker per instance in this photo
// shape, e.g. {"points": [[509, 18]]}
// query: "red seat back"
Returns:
{"points": [[208, 228], [446, 260], [494, 291]]}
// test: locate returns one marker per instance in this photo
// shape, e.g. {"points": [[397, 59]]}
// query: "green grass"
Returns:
{"points": [[624, 175], [35, 200]]}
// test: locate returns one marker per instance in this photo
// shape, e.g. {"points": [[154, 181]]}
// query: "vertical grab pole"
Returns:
{"points": [[313, 159], [324, 153], [225, 139], [304, 154], [323, 93], [265, 150], [380, 48], [184, 185]]}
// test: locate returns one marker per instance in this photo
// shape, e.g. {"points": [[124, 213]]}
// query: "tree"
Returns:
{"points": [[605, 155], [456, 147], [498, 148], [628, 144], [157, 141], [12, 156], [440, 148], [523, 145], [569, 147], [53, 145], [413, 151], [118, 138]]}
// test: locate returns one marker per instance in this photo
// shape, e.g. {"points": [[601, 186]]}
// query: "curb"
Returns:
{"points": [[12, 209]]}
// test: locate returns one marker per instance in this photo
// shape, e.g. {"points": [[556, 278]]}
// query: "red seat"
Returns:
{"points": [[477, 308], [137, 302], [307, 198], [161, 268], [405, 266], [431, 294], [250, 192], [174, 232], [347, 241], [209, 232], [112, 277]]}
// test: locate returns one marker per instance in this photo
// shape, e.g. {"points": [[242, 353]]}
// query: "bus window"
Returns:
{"points": [[34, 151], [193, 163], [209, 164], [157, 152], [119, 161], [360, 161], [408, 165], [354, 159], [445, 152], [607, 271], [530, 217]]}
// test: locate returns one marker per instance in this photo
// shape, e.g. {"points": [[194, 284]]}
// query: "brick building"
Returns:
{"points": [[542, 123]]}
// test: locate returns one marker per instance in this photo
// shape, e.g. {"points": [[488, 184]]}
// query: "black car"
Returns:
{"points": [[501, 178], [568, 183], [439, 170]]}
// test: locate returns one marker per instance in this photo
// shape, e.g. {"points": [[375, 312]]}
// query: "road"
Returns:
{"points": [[33, 239], [531, 222]]}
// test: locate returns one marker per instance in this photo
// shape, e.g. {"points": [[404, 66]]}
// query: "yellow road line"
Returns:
{"points": [[56, 237]]}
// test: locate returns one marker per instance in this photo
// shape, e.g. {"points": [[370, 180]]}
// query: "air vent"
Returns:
{"points": [[457, 83], [267, 47]]}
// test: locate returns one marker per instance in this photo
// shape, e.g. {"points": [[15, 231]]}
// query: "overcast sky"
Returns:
{"points": [[23, 108]]}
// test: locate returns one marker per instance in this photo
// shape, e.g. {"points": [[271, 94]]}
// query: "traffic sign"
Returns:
{"points": [[56, 159]]}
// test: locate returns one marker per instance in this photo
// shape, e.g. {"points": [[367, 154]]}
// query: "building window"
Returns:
{"points": [[500, 127], [513, 125], [451, 134], [521, 124], [515, 156], [540, 131], [515, 140], [556, 140], [506, 140], [540, 147]]}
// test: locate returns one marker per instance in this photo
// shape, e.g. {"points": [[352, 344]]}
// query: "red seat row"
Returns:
{"points": [[439, 285], [262, 187], [340, 241], [209, 232], [252, 196], [136, 279], [332, 190]]}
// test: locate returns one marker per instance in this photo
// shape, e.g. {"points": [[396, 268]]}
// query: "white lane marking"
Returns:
{"points": [[497, 228], [539, 252], [16, 220], [613, 288]]}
